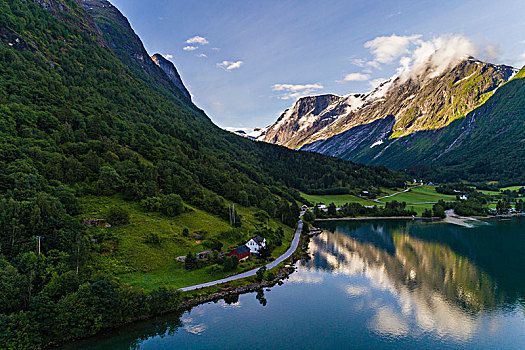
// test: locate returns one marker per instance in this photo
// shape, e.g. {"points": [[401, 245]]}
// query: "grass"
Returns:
{"points": [[420, 195], [512, 188], [341, 199], [149, 266]]}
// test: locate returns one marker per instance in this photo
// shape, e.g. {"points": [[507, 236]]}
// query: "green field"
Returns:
{"points": [[341, 199], [512, 188], [148, 266], [418, 195], [421, 194]]}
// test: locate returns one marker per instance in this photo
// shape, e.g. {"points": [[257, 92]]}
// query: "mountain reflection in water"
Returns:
{"points": [[368, 284]]}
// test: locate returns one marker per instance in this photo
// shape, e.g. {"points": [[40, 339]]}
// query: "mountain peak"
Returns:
{"points": [[169, 68], [428, 95]]}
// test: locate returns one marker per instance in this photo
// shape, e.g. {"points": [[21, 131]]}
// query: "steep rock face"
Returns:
{"points": [[303, 119], [417, 103], [356, 139], [171, 71], [312, 116], [487, 144], [126, 44]]}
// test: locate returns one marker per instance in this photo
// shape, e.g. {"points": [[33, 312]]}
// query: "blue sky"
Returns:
{"points": [[246, 61]]}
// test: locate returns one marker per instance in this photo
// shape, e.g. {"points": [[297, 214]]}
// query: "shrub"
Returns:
{"points": [[270, 276], [117, 216], [152, 238], [259, 275]]}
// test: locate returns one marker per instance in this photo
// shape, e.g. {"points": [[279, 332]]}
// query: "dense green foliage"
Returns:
{"points": [[83, 112], [393, 208]]}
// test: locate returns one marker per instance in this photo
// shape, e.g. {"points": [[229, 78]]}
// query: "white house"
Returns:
{"points": [[255, 244]]}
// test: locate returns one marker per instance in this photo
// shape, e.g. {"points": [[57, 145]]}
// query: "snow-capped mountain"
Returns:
{"points": [[347, 126]]}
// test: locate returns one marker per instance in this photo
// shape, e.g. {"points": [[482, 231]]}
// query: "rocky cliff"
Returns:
{"points": [[401, 106], [171, 71]]}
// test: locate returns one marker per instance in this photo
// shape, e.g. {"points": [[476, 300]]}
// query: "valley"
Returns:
{"points": [[121, 199]]}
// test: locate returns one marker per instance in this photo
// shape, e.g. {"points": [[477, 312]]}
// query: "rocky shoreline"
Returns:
{"points": [[229, 291]]}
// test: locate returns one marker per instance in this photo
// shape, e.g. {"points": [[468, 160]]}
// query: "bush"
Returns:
{"points": [[173, 205], [152, 238], [427, 213], [270, 276], [191, 261], [117, 216], [259, 275]]}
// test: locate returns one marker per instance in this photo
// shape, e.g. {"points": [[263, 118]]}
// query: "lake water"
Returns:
{"points": [[369, 284]]}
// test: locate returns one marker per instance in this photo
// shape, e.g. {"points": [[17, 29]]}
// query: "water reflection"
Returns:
{"points": [[439, 289], [383, 285]]}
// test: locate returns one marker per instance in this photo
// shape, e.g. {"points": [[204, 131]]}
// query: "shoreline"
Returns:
{"points": [[282, 274], [381, 218], [191, 302]]}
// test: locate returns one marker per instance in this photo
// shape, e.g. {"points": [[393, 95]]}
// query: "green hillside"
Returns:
{"points": [[90, 126], [483, 146]]}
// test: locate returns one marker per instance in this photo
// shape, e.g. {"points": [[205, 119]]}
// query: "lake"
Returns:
{"points": [[388, 284]]}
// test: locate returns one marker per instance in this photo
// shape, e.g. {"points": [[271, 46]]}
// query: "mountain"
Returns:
{"points": [[171, 71], [311, 116], [362, 127], [87, 116]]}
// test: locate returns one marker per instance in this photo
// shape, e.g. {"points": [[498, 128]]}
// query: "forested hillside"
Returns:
{"points": [[486, 145], [84, 111]]}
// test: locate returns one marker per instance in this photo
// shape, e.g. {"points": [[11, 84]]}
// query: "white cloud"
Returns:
{"points": [[295, 91], [356, 77], [394, 14], [229, 65], [376, 82], [387, 48], [358, 62], [294, 87], [167, 56], [197, 40], [190, 48], [492, 53], [202, 55], [433, 57]]}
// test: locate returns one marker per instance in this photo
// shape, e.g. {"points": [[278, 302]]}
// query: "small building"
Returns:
{"points": [[242, 252], [204, 255], [181, 258], [365, 194], [90, 222], [463, 197], [321, 206], [304, 207], [255, 244]]}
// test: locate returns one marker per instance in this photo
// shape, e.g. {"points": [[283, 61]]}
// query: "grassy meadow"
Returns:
{"points": [[124, 251], [421, 194]]}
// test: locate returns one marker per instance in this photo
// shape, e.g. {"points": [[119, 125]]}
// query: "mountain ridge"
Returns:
{"points": [[169, 68], [412, 101]]}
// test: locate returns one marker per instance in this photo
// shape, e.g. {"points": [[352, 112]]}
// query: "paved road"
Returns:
{"points": [[286, 255], [395, 194]]}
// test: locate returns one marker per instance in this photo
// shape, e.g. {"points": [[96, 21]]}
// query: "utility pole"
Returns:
{"points": [[39, 238]]}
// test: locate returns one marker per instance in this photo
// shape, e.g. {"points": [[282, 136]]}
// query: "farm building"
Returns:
{"points": [[242, 252]]}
